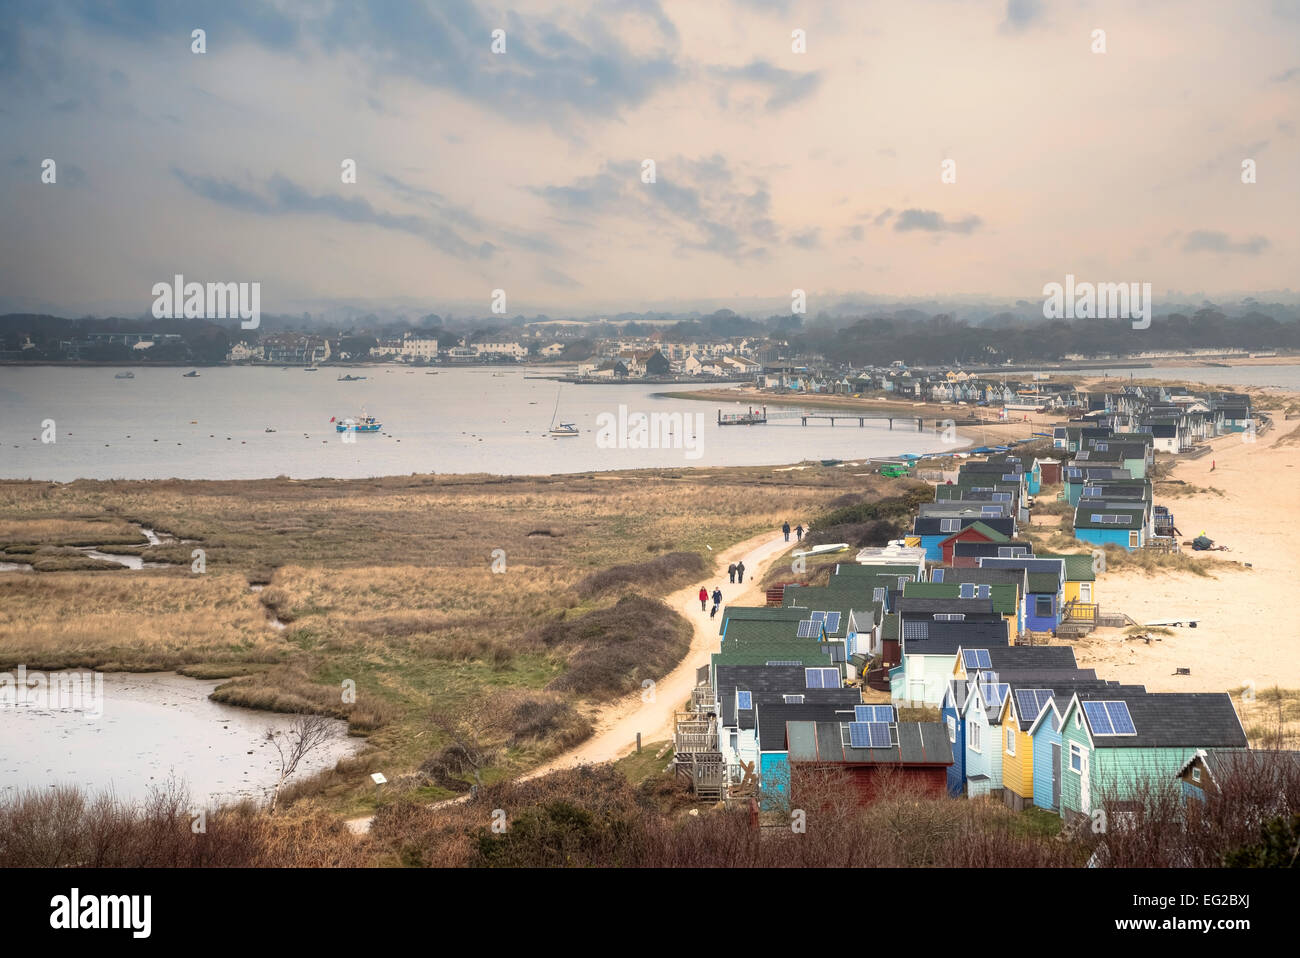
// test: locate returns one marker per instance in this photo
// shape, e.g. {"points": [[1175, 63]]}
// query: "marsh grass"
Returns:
{"points": [[388, 584]]}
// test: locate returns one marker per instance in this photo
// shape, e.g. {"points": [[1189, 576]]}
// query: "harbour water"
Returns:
{"points": [[161, 425]]}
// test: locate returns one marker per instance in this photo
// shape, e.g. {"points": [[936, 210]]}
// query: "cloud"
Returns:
{"points": [[1021, 14], [700, 203], [282, 197], [809, 239], [548, 72], [784, 87], [556, 278], [1211, 241], [933, 222]]}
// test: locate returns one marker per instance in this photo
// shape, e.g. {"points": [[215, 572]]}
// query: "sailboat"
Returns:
{"points": [[564, 428]]}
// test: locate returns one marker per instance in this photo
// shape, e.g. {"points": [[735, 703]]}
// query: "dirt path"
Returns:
{"points": [[616, 730], [618, 725]]}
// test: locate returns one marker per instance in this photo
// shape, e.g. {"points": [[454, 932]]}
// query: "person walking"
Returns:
{"points": [[798, 531], [785, 527], [740, 571], [717, 600], [731, 572], [704, 598]]}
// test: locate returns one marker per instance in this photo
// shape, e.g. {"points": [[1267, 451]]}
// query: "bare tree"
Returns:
{"points": [[306, 735], [468, 750]]}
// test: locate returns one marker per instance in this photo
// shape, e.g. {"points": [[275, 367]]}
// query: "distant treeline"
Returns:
{"points": [[908, 335], [878, 340]]}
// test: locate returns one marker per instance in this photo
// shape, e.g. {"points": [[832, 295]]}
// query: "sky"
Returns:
{"points": [[775, 168]]}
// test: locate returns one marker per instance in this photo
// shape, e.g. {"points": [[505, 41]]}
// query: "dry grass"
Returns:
{"points": [[125, 620], [387, 584], [66, 532]]}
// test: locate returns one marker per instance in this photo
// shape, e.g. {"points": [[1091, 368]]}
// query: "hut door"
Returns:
{"points": [[1085, 786], [1056, 775]]}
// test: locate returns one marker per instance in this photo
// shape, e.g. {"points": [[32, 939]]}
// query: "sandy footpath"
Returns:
{"points": [[617, 726], [1246, 630]]}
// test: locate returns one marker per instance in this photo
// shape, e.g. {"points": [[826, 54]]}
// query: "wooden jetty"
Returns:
{"points": [[917, 421]]}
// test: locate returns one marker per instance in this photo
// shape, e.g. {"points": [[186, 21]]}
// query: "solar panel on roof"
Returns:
{"points": [[1120, 718], [1098, 718], [783, 662], [744, 700], [813, 678], [995, 693], [1031, 701], [878, 734], [808, 628], [859, 735], [916, 630], [976, 659], [817, 616], [832, 621]]}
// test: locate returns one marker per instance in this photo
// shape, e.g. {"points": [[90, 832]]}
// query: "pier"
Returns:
{"points": [[917, 421]]}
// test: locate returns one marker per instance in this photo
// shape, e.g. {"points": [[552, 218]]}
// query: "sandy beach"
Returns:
{"points": [[1245, 632]]}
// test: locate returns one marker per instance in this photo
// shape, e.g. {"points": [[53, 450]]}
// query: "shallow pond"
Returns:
{"points": [[153, 726]]}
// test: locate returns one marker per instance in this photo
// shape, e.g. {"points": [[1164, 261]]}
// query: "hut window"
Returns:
{"points": [[1196, 774]]}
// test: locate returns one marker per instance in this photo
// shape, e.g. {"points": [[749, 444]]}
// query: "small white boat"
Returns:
{"points": [[564, 429], [823, 550], [126, 375]]}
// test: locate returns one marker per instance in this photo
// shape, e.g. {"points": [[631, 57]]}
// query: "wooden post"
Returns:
{"points": [[638, 743]]}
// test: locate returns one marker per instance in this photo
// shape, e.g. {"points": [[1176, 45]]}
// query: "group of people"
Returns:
{"points": [[736, 573], [704, 599]]}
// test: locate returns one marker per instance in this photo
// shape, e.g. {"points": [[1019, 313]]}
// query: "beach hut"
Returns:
{"points": [[1111, 748]]}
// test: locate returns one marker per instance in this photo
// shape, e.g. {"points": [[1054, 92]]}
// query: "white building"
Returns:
{"points": [[502, 350]]}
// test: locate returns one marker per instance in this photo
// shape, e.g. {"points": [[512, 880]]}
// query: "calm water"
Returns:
{"points": [[161, 425], [153, 727], [1275, 377]]}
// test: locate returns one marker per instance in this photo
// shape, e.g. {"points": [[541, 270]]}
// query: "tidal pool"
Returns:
{"points": [[154, 726]]}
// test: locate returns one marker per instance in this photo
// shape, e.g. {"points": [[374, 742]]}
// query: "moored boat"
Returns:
{"points": [[126, 375], [361, 423]]}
